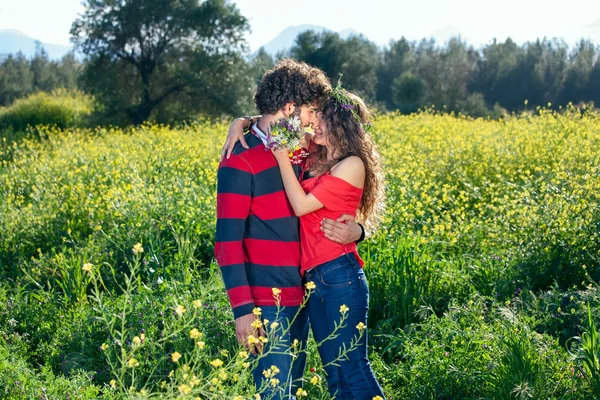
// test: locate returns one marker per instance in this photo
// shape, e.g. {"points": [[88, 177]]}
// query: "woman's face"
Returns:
{"points": [[320, 136]]}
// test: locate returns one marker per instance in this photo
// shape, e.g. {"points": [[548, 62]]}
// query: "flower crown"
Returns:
{"points": [[346, 103]]}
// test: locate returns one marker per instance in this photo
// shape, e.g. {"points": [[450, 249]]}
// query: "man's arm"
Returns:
{"points": [[234, 189], [344, 230]]}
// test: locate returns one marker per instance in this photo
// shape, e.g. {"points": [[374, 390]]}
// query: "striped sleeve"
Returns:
{"points": [[234, 190]]}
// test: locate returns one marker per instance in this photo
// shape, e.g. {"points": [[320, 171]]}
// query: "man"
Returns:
{"points": [[257, 240]]}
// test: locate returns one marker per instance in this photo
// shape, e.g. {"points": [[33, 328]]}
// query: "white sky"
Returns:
{"points": [[380, 20]]}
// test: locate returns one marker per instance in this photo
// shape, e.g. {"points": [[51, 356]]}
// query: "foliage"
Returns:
{"points": [[479, 275], [20, 77], [163, 58], [61, 108]]}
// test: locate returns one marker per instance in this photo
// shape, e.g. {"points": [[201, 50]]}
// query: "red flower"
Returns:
{"points": [[299, 156]]}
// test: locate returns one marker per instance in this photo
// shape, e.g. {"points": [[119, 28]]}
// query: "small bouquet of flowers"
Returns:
{"points": [[286, 133]]}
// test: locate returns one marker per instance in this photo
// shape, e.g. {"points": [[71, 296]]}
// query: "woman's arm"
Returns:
{"points": [[235, 133], [301, 202]]}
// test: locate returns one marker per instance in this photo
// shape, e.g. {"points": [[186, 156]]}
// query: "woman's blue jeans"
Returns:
{"points": [[342, 282]]}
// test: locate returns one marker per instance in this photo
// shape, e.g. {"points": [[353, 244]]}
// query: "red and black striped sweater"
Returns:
{"points": [[258, 238]]}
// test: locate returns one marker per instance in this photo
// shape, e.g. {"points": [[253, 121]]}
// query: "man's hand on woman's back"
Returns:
{"points": [[344, 230]]}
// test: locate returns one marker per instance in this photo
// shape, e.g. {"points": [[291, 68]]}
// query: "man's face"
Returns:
{"points": [[307, 115]]}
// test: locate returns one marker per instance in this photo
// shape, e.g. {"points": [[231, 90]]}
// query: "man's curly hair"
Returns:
{"points": [[291, 81]]}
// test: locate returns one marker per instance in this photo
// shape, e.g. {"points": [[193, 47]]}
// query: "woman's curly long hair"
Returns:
{"points": [[291, 81], [346, 137]]}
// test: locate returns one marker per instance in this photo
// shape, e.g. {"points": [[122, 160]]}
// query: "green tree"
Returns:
{"points": [[494, 76], [395, 61], [261, 63], [446, 71], [592, 91], [44, 75], [578, 73], [16, 78], [145, 53], [67, 71], [408, 92], [356, 58]]}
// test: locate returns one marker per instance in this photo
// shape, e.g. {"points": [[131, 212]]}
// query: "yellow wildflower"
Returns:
{"points": [[137, 248], [216, 363], [256, 324], [132, 363], [184, 389], [180, 310], [195, 334]]}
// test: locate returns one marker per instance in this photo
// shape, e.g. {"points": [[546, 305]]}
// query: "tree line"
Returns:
{"points": [[21, 76], [407, 75], [167, 61]]}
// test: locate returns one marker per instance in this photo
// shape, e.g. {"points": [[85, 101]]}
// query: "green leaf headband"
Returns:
{"points": [[346, 103]]}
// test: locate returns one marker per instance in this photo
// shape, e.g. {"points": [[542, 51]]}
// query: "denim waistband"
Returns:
{"points": [[346, 258]]}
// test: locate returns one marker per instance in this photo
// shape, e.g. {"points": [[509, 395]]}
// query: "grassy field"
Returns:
{"points": [[483, 276]]}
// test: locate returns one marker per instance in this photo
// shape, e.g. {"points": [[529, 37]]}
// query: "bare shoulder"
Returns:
{"points": [[351, 169]]}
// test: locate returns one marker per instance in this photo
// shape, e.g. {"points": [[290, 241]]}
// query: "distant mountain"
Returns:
{"points": [[592, 31], [346, 33], [13, 41], [285, 40], [446, 33]]}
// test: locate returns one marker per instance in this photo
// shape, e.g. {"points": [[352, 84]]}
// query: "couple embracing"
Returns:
{"points": [[287, 224]]}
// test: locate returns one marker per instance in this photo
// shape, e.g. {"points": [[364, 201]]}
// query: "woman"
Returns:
{"points": [[342, 176]]}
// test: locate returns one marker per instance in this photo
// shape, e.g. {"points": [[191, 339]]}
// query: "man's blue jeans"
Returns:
{"points": [[291, 369], [342, 282]]}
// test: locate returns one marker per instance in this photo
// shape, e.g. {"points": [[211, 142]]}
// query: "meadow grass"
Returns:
{"points": [[480, 275]]}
